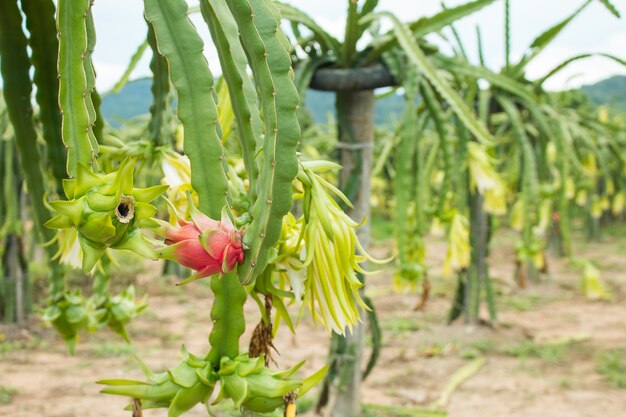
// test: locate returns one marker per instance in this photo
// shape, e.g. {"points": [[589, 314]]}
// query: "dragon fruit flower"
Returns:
{"points": [[205, 245]]}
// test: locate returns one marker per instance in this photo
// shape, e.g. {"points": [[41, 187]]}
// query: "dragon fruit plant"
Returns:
{"points": [[230, 218]]}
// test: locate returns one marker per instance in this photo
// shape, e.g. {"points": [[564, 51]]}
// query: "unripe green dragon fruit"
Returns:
{"points": [[107, 212], [69, 314]]}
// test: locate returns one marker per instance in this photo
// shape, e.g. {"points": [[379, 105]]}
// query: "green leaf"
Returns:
{"points": [[568, 61], [422, 27], [503, 81], [326, 41], [351, 35], [544, 39], [611, 8], [305, 71]]}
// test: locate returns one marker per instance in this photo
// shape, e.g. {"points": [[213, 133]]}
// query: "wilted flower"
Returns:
{"points": [[598, 205], [517, 215], [486, 180], [570, 188], [592, 285], [459, 252], [205, 245], [581, 197], [545, 219], [70, 252], [177, 174], [618, 204]]}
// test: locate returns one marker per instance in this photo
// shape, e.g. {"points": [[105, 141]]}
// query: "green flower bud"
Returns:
{"points": [[179, 389], [118, 310], [68, 314], [107, 212], [254, 387]]}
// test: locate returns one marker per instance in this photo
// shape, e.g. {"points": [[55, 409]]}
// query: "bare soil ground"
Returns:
{"points": [[541, 359]]}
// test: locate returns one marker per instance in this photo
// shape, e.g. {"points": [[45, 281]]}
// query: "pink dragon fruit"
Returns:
{"points": [[205, 245]]}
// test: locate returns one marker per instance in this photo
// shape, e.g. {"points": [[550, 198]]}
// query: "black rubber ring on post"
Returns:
{"points": [[352, 79]]}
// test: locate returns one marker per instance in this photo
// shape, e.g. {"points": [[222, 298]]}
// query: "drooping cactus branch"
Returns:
{"points": [[268, 56], [75, 83], [181, 45], [41, 24], [242, 91]]}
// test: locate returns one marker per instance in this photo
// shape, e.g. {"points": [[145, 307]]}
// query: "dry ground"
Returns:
{"points": [[541, 358]]}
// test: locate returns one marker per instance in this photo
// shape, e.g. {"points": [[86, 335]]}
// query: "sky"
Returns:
{"points": [[121, 29]]}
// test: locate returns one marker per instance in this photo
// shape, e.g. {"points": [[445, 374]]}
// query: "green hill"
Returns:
{"points": [[135, 98], [132, 101], [611, 91]]}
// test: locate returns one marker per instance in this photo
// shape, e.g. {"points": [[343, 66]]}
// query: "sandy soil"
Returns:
{"points": [[420, 353]]}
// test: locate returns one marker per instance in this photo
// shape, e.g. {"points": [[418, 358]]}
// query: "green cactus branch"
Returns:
{"points": [[242, 92], [403, 182], [15, 67], [294, 15], [228, 318], [161, 107], [424, 26], [181, 45], [351, 36], [259, 27], [44, 45], [417, 57], [73, 84]]}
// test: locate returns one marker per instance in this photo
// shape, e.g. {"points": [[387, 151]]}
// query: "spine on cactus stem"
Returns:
{"points": [[73, 83], [91, 96], [182, 47], [242, 91], [269, 59]]}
